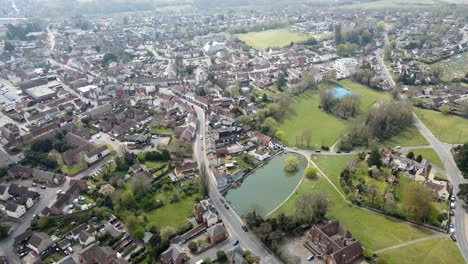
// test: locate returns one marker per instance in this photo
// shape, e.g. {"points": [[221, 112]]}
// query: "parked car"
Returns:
{"points": [[245, 228], [43, 187], [221, 199], [34, 184], [452, 212], [310, 258], [112, 139], [452, 198], [452, 236], [235, 243], [452, 225], [452, 205], [226, 206]]}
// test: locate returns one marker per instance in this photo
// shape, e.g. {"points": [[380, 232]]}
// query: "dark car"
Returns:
{"points": [[452, 236], [245, 228], [226, 206], [338, 151], [318, 150], [43, 187], [221, 199], [452, 212]]}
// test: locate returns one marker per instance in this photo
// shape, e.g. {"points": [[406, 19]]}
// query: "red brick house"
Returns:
{"points": [[217, 233], [173, 255]]}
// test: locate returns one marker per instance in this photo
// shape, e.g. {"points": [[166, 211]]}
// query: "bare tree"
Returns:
{"points": [[304, 207], [307, 134]]}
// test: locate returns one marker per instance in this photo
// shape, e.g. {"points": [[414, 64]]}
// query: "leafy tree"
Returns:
{"points": [[291, 164], [4, 228], [338, 34], [221, 256], [461, 158], [410, 155], [193, 246], [417, 202], [8, 47], [310, 172], [419, 158], [42, 145], [374, 158], [203, 181], [264, 98], [281, 81], [463, 192]]}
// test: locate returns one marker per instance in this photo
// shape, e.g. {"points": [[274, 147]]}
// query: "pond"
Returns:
{"points": [[267, 187], [340, 92]]}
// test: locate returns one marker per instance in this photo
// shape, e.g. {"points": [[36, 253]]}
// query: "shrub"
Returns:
{"points": [[291, 164], [193, 246], [310, 172]]}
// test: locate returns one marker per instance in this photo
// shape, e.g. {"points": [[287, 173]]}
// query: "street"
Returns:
{"points": [[455, 176], [231, 219]]}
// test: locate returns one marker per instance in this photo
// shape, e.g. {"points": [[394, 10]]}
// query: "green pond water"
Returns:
{"points": [[267, 187]]}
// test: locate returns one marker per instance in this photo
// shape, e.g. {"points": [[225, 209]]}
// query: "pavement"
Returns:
{"points": [[455, 176]]}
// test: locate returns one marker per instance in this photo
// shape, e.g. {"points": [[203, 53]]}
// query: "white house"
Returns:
{"points": [[15, 210], [440, 189], [346, 66], [4, 195], [210, 217], [86, 238], [96, 154], [260, 154], [39, 242]]}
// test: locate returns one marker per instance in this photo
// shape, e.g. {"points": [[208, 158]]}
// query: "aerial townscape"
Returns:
{"points": [[234, 131]]}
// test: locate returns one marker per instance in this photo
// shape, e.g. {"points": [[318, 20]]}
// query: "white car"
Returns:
{"points": [[452, 205]]}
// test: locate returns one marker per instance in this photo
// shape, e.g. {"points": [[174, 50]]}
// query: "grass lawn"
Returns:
{"points": [[373, 230], [430, 155], [368, 95], [335, 165], [305, 114], [271, 38], [68, 169], [432, 251], [160, 130], [447, 128], [389, 4], [172, 215], [406, 138]]}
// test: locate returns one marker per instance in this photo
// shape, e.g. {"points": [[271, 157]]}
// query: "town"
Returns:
{"points": [[191, 133]]}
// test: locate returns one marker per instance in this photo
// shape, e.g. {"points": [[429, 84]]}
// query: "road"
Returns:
{"points": [[455, 176], [231, 219], [48, 197]]}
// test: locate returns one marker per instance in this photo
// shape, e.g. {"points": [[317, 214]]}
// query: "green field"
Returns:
{"points": [[373, 230], [447, 128], [432, 251], [406, 138], [368, 95], [326, 128], [271, 38], [430, 155]]}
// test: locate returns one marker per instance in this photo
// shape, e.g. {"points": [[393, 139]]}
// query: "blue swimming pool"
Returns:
{"points": [[340, 92]]}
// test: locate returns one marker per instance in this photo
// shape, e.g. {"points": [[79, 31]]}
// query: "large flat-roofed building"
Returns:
{"points": [[41, 92]]}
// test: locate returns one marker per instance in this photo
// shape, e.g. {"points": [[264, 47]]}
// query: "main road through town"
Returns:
{"points": [[231, 219]]}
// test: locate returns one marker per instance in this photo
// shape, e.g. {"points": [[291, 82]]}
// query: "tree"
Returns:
{"points": [[338, 34], [410, 155], [374, 158], [417, 202], [463, 192], [221, 256], [279, 134], [8, 47], [4, 228], [461, 158], [281, 81], [291, 164], [307, 135], [311, 208], [203, 181], [193, 246], [419, 158], [264, 98], [310, 172]]}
